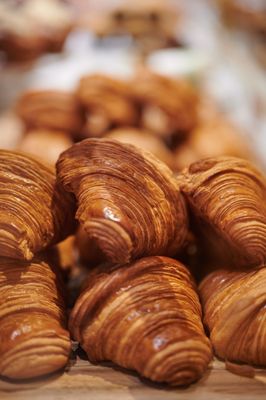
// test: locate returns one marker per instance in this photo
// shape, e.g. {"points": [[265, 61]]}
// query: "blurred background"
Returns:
{"points": [[184, 79]]}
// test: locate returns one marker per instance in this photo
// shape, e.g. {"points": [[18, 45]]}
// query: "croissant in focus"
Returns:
{"points": [[144, 316], [50, 109], [33, 338], [235, 314], [227, 199], [35, 211], [128, 201]]}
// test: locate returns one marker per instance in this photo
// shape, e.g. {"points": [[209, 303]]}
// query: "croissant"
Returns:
{"points": [[144, 140], [45, 144], [227, 198], [144, 316], [128, 201], [35, 212], [235, 314], [50, 109], [169, 107], [107, 99], [34, 340]]}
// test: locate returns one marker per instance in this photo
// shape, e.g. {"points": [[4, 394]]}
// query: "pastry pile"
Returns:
{"points": [[137, 307]]}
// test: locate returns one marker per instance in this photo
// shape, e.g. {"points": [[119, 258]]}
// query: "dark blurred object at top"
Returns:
{"points": [[151, 23], [30, 28], [246, 14], [249, 16]]}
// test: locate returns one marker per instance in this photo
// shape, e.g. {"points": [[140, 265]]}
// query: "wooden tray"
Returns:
{"points": [[83, 381]]}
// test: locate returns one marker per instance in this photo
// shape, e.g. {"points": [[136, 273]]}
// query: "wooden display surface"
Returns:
{"points": [[83, 380]]}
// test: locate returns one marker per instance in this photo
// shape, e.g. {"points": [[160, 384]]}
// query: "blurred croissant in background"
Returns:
{"points": [[128, 201], [107, 102], [44, 144], [168, 106], [144, 316], [235, 314], [50, 109]]}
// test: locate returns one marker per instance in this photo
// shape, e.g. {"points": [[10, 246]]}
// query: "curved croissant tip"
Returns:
{"points": [[38, 355], [111, 238]]}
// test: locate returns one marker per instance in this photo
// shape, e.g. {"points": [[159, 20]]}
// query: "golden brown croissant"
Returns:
{"points": [[144, 316], [145, 140], [235, 314], [34, 340], [45, 144], [108, 100], [227, 198], [169, 107], [50, 109], [128, 201], [35, 212]]}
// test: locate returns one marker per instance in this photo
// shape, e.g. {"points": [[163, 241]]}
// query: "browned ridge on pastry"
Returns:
{"points": [[234, 304], [34, 210], [33, 338], [128, 201], [144, 316], [50, 109], [227, 196]]}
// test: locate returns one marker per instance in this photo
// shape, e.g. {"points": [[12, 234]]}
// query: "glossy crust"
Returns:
{"points": [[227, 198], [34, 340], [50, 109], [35, 211], [144, 316], [235, 314], [128, 201]]}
